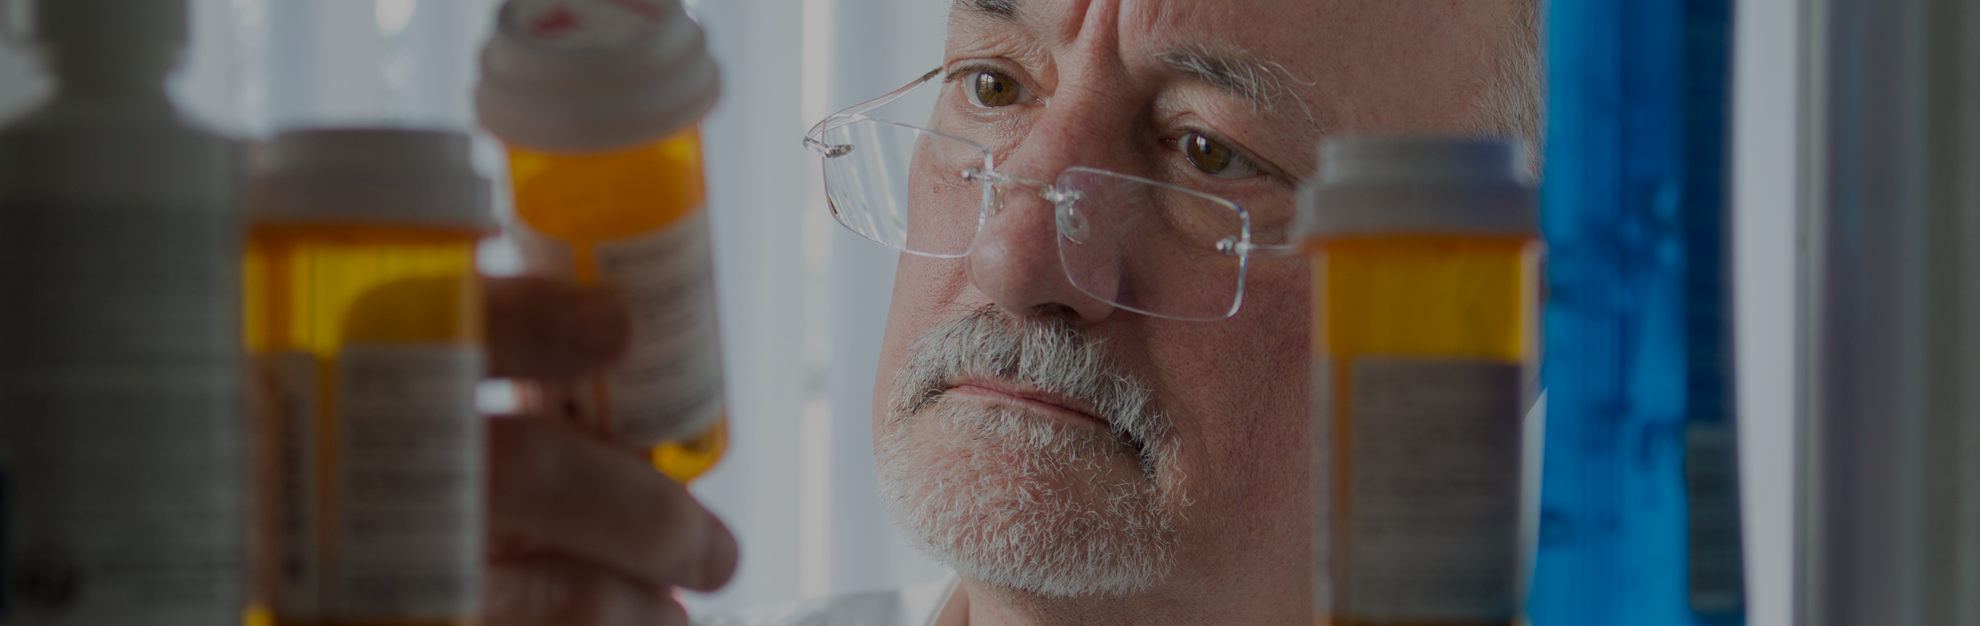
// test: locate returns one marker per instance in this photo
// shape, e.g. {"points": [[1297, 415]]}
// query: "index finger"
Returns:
{"points": [[554, 487], [544, 328]]}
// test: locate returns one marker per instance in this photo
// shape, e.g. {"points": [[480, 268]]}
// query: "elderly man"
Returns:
{"points": [[1093, 405]]}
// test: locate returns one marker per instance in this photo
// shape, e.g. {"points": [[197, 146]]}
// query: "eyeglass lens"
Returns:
{"points": [[1148, 247], [890, 168], [1142, 245]]}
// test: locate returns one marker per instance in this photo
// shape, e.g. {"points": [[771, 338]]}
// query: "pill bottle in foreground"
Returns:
{"points": [[120, 369], [1425, 257], [597, 102], [363, 319]]}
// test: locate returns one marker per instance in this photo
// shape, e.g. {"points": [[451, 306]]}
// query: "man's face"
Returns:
{"points": [[1049, 442]]}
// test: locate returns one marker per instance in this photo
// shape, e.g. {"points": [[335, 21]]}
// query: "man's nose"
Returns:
{"points": [[1015, 261]]}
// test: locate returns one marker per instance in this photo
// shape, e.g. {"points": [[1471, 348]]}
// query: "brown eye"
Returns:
{"points": [[993, 89], [1209, 155], [1216, 158]]}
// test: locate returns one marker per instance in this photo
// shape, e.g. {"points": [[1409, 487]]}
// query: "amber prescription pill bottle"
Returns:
{"points": [[363, 317], [1425, 255], [597, 101]]}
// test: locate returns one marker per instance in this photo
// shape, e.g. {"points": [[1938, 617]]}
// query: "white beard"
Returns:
{"points": [[1025, 501]]}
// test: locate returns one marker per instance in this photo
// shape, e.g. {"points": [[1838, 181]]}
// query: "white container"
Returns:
{"points": [[120, 396]]}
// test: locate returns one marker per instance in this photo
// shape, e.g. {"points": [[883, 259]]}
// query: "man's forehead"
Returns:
{"points": [[1267, 84], [995, 9], [1351, 65]]}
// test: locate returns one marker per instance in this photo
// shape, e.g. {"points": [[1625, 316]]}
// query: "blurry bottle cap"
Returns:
{"points": [[368, 176], [135, 37], [1418, 185], [593, 75]]}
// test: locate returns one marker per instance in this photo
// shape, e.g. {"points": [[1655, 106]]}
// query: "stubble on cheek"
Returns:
{"points": [[1019, 501], [1024, 500]]}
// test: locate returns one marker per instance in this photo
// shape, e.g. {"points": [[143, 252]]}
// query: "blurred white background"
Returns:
{"points": [[804, 302]]}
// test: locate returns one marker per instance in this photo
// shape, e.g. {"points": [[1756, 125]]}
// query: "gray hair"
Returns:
{"points": [[1017, 500], [1265, 84], [1513, 104], [1050, 354]]}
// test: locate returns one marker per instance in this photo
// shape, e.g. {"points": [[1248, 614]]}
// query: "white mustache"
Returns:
{"points": [[1052, 355], [1058, 513]]}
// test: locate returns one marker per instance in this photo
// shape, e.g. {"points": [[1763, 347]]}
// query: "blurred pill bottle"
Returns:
{"points": [[363, 318], [121, 431], [597, 102], [1425, 254]]}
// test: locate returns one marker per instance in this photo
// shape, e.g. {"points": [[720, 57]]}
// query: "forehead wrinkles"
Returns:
{"points": [[1221, 62], [1055, 21], [1078, 28], [1199, 41], [1149, 37], [1088, 30]]}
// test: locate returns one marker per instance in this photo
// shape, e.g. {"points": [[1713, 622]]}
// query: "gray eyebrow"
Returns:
{"points": [[1264, 84], [1004, 10]]}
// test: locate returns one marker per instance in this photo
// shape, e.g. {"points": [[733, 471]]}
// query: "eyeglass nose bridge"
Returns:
{"points": [[1071, 221], [1073, 224]]}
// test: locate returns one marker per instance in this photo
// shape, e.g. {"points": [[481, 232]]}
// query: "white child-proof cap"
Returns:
{"points": [[1419, 185], [593, 75], [114, 39], [369, 176]]}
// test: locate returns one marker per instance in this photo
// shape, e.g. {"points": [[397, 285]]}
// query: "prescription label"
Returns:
{"points": [[121, 414], [1434, 492], [285, 401], [670, 384], [406, 539]]}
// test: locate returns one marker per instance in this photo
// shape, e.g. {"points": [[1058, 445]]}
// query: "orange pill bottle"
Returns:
{"points": [[363, 318], [1425, 258], [596, 101]]}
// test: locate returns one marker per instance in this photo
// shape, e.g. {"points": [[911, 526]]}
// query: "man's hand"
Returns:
{"points": [[581, 531]]}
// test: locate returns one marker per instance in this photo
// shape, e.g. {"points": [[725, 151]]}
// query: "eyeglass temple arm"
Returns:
{"points": [[811, 137]]}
